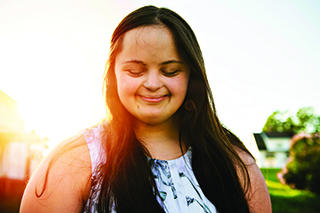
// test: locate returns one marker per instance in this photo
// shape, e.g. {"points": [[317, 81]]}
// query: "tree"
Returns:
{"points": [[305, 120], [303, 168]]}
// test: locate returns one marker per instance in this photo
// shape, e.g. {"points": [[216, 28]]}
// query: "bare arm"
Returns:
{"points": [[68, 183], [258, 195]]}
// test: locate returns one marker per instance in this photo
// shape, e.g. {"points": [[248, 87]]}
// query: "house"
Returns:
{"points": [[20, 151], [273, 147]]}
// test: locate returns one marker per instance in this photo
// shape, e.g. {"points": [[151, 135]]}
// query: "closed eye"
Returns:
{"points": [[170, 73], [135, 72]]}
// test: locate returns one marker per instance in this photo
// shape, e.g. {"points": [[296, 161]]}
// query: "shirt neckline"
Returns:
{"points": [[187, 154]]}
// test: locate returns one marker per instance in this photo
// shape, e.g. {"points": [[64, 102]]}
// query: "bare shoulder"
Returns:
{"points": [[258, 195], [62, 179]]}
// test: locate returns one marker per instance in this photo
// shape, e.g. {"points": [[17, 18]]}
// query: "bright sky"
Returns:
{"points": [[260, 56]]}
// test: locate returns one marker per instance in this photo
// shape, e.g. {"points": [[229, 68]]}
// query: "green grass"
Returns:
{"points": [[287, 200]]}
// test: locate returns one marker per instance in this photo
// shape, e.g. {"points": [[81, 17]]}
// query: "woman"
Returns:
{"points": [[162, 148]]}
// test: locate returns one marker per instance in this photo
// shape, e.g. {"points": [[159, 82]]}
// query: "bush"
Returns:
{"points": [[303, 168]]}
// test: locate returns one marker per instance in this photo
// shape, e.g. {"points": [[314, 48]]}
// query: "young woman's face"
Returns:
{"points": [[152, 79]]}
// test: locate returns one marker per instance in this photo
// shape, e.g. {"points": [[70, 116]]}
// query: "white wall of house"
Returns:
{"points": [[281, 159], [278, 144], [272, 159], [262, 160], [14, 149], [276, 154], [14, 160]]}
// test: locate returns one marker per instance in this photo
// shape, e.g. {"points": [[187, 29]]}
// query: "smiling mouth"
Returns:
{"points": [[153, 99]]}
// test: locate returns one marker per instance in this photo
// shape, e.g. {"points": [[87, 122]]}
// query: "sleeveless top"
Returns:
{"points": [[179, 190]]}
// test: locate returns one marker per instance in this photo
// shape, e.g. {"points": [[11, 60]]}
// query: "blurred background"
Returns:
{"points": [[260, 56]]}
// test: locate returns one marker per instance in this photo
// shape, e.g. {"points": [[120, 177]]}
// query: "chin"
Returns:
{"points": [[153, 121]]}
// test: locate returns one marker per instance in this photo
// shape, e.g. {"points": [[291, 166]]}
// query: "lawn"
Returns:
{"points": [[287, 200]]}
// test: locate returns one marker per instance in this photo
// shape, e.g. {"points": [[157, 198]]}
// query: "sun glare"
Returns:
{"points": [[57, 94]]}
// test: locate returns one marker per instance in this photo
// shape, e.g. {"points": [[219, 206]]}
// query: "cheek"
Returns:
{"points": [[179, 87], [126, 87]]}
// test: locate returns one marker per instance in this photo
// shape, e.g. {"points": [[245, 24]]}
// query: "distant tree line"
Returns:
{"points": [[305, 120]]}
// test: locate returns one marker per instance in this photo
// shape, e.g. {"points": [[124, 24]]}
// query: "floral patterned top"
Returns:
{"points": [[178, 187]]}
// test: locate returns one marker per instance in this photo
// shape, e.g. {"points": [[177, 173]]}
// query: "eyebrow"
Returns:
{"points": [[161, 64], [135, 62], [170, 62]]}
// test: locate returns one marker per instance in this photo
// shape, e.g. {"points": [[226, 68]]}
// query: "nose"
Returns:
{"points": [[152, 81]]}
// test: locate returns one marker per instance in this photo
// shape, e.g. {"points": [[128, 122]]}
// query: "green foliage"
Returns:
{"points": [[305, 120], [303, 168]]}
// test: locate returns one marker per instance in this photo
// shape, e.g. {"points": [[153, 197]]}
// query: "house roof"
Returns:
{"points": [[279, 134], [260, 142], [273, 141]]}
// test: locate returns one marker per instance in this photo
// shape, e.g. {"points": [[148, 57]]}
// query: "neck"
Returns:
{"points": [[161, 140]]}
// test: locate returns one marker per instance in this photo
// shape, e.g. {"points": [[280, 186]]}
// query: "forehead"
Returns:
{"points": [[154, 35], [154, 39]]}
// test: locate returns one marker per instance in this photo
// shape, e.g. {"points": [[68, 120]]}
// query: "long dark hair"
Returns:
{"points": [[127, 183]]}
